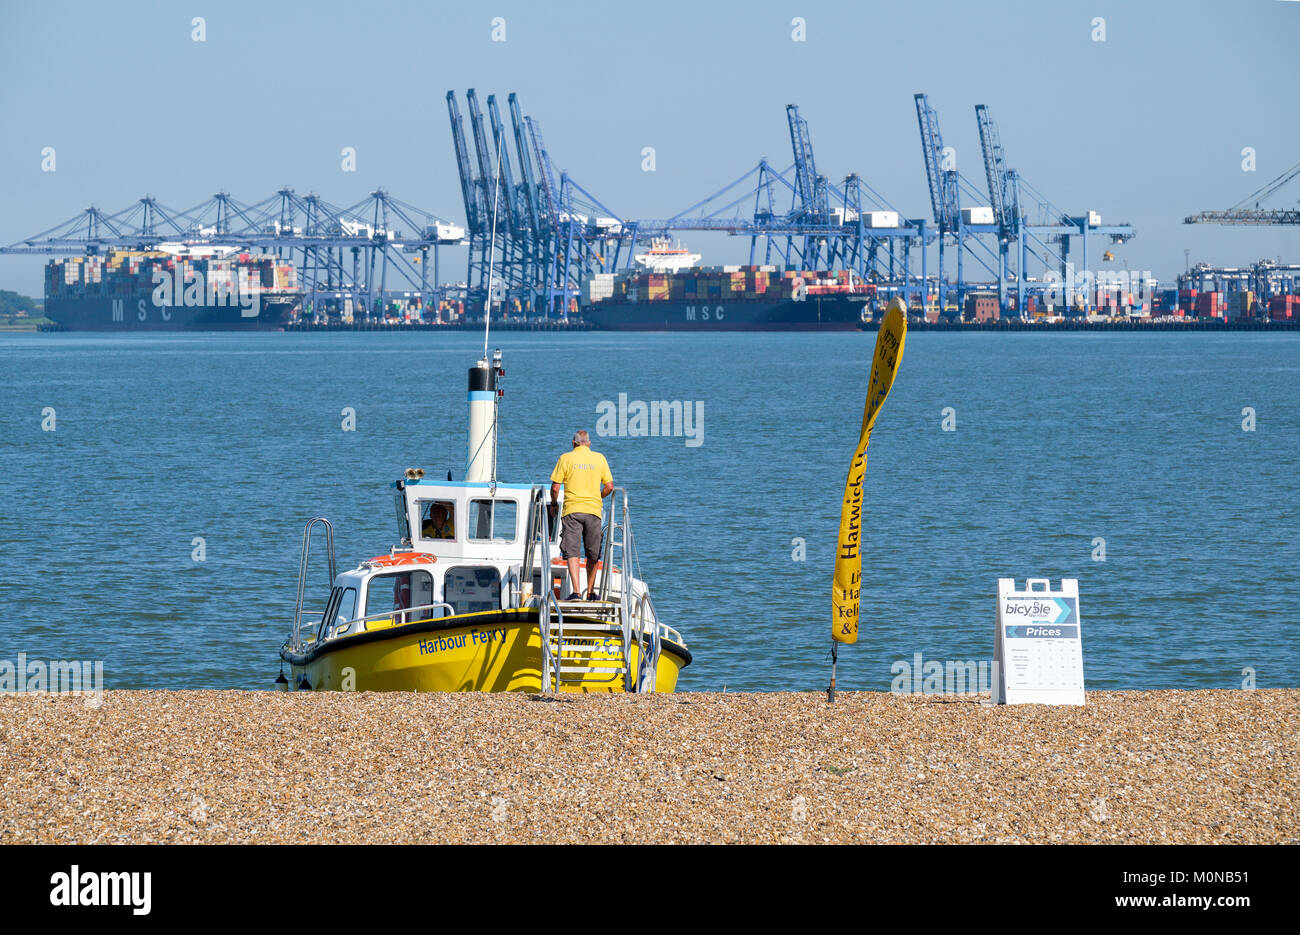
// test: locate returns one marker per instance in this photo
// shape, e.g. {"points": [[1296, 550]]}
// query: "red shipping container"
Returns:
{"points": [[1283, 307]]}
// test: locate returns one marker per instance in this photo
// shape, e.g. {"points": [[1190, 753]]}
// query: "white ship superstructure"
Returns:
{"points": [[663, 256]]}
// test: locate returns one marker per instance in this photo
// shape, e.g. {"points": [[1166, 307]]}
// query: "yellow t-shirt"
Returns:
{"points": [[582, 472]]}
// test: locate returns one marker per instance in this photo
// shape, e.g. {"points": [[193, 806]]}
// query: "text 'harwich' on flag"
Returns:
{"points": [[848, 553]]}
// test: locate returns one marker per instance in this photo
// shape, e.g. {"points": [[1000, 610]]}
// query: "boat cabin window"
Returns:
{"points": [[400, 591], [437, 519], [347, 606], [493, 520], [341, 608], [403, 523], [471, 588]]}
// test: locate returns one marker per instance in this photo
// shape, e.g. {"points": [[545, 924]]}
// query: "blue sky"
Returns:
{"points": [[1145, 127]]}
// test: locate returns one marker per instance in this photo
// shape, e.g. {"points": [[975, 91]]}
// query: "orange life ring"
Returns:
{"points": [[402, 558]]}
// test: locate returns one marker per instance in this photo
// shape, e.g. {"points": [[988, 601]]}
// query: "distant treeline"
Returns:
{"points": [[11, 303]]}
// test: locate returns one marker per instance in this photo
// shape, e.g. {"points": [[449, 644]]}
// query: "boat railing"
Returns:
{"points": [[310, 622], [550, 616], [607, 542], [668, 633], [407, 615], [611, 547], [633, 614], [296, 635], [639, 622], [652, 637]]}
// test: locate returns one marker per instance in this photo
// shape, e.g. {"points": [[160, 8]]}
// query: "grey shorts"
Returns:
{"points": [[577, 530]]}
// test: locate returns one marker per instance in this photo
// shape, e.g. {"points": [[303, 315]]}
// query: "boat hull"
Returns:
{"points": [[492, 651], [138, 313], [815, 313]]}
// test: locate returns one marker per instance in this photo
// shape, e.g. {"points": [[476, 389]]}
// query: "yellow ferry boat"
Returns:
{"points": [[469, 598]]}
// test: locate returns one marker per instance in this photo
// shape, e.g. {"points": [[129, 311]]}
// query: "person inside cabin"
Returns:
{"points": [[438, 523], [587, 480], [401, 595]]}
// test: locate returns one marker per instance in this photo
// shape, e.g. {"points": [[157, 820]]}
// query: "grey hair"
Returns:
{"points": [[581, 437]]}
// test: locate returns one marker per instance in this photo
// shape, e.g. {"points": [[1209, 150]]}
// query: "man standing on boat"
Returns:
{"points": [[587, 480]]}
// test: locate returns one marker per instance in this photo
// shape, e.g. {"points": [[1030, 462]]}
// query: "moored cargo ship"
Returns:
{"points": [[729, 298], [171, 288]]}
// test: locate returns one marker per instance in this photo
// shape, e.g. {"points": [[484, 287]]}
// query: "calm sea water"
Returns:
{"points": [[1060, 439]]}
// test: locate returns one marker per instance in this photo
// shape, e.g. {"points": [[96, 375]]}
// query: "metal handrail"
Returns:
{"points": [[667, 632], [530, 540], [639, 630], [550, 662], [607, 539], [302, 572], [539, 541], [618, 533], [390, 614], [656, 637], [638, 620]]}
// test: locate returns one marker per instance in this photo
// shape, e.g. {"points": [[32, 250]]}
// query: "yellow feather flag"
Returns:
{"points": [[848, 554]]}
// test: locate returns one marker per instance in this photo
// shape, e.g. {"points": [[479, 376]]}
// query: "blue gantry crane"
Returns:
{"points": [[812, 203], [551, 233], [1004, 198], [1048, 239], [826, 226], [941, 180], [1248, 210], [946, 182], [367, 253], [515, 236], [529, 207]]}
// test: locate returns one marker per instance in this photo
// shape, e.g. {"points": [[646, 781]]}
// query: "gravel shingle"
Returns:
{"points": [[210, 766]]}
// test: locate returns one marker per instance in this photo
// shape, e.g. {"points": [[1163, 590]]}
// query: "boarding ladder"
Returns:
{"points": [[296, 637], [572, 630]]}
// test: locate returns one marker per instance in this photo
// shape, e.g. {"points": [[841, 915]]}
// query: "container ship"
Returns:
{"points": [[728, 298], [171, 288]]}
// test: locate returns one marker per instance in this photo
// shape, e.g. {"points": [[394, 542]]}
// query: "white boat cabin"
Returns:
{"points": [[461, 550], [465, 519]]}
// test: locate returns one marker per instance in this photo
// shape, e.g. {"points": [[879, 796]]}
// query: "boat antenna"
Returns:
{"points": [[492, 249]]}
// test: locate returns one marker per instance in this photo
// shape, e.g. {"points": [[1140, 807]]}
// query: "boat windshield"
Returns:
{"points": [[341, 608], [399, 591]]}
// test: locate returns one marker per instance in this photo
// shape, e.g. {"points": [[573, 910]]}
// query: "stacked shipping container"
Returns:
{"points": [[1284, 307], [727, 282], [128, 273]]}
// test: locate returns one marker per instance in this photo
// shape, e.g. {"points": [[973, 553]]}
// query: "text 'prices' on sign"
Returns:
{"points": [[1038, 648]]}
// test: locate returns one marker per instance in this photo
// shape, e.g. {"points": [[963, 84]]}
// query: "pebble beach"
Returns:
{"points": [[1198, 767]]}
